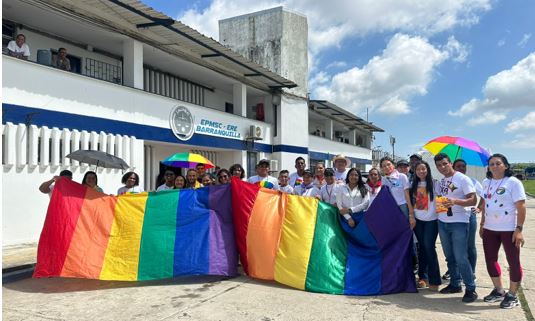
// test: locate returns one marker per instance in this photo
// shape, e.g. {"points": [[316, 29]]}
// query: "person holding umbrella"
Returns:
{"points": [[91, 180], [503, 206]]}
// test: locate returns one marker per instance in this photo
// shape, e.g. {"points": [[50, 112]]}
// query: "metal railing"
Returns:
{"points": [[103, 71], [169, 85]]}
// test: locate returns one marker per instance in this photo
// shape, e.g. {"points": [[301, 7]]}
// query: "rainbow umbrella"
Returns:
{"points": [[458, 147], [187, 160]]}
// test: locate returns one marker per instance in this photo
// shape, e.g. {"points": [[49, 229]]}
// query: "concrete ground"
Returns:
{"points": [[242, 298]]}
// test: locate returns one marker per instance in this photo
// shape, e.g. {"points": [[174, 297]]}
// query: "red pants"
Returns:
{"points": [[491, 245]]}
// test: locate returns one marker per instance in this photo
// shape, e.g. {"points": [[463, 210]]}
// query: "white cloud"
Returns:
{"points": [[457, 51], [487, 118], [330, 22], [521, 141], [501, 43], [319, 79], [403, 70], [507, 90], [525, 38], [336, 64], [527, 122]]}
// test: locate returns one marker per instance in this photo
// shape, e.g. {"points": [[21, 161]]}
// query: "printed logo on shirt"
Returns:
{"points": [[265, 184], [452, 187], [394, 182], [422, 199], [500, 191], [298, 181]]}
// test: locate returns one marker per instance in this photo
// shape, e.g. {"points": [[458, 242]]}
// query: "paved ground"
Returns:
{"points": [[241, 298]]}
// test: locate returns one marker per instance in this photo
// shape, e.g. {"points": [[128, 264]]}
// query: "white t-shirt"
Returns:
{"points": [[164, 187], [328, 193], [374, 195], [398, 183], [133, 190], [341, 176], [12, 45], [351, 199], [267, 182], [311, 190], [456, 186], [424, 208], [500, 197], [295, 179], [286, 189]]}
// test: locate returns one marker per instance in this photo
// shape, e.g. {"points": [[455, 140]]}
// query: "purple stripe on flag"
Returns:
{"points": [[222, 246], [392, 232]]}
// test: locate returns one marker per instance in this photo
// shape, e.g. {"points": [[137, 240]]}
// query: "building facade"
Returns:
{"points": [[143, 86]]}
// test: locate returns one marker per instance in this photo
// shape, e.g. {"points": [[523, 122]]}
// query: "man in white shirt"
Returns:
{"points": [[341, 165], [169, 183], [18, 48], [307, 188], [453, 227], [328, 191], [296, 178], [262, 177], [48, 186], [284, 186]]}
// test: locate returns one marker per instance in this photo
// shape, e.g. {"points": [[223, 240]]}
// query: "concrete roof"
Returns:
{"points": [[333, 111]]}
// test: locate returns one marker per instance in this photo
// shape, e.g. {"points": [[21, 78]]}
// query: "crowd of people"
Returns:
{"points": [[447, 208]]}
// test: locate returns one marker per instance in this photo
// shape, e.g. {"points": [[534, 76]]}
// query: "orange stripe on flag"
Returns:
{"points": [[263, 233], [90, 240]]}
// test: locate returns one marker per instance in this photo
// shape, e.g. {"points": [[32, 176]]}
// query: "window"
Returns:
{"points": [[229, 108]]}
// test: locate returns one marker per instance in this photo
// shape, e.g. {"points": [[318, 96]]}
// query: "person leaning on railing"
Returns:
{"points": [[18, 48]]}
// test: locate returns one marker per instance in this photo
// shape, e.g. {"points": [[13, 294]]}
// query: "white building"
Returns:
{"points": [[142, 87]]}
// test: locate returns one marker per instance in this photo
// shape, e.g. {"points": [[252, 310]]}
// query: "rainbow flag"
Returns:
{"points": [[134, 237], [304, 243]]}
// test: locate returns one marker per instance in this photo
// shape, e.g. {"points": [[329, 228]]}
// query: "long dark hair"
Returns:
{"points": [[508, 170], [360, 183], [89, 173], [428, 182], [237, 166]]}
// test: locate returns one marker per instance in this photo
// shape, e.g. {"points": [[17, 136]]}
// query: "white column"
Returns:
{"points": [[133, 63], [119, 146], [33, 136], [75, 144], [111, 144], [126, 149], [239, 99], [94, 140], [133, 149], [353, 137], [45, 146], [55, 136], [329, 131], [10, 132], [103, 141], [22, 136], [66, 141]]}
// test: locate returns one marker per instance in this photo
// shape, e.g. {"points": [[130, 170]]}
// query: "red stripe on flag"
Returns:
{"points": [[243, 198], [60, 223]]}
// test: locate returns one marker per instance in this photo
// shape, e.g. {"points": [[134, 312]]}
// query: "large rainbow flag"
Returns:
{"points": [[294, 240], [304, 243], [132, 237]]}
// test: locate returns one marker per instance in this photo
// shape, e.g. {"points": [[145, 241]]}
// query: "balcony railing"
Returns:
{"points": [[103, 71]]}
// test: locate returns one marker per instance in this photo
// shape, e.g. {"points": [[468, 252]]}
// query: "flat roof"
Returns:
{"points": [[333, 111]]}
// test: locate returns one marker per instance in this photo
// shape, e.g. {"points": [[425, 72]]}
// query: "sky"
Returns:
{"points": [[419, 69]]}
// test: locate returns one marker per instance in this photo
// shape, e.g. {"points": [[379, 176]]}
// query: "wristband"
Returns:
{"points": [[347, 216]]}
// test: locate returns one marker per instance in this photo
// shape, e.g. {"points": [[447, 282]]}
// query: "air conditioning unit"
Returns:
{"points": [[256, 132], [274, 165]]}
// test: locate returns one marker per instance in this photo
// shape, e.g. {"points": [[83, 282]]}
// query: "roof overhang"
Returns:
{"points": [[331, 110]]}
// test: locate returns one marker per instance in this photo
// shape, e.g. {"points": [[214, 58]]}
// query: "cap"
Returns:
{"points": [[416, 156], [309, 172], [263, 162], [403, 163]]}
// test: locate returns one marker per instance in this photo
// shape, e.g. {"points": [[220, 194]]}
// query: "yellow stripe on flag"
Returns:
{"points": [[122, 255], [291, 263]]}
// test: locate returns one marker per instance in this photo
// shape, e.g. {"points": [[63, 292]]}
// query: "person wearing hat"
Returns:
{"points": [[307, 188], [403, 166], [262, 177], [328, 191], [341, 164]]}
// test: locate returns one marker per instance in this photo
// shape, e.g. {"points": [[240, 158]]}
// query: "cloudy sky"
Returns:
{"points": [[422, 69]]}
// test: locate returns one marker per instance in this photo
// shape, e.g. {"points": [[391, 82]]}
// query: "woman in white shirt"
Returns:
{"points": [[503, 208], [373, 183], [422, 197], [131, 184], [398, 183], [352, 197]]}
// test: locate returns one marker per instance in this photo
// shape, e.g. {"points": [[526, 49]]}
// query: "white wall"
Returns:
{"points": [[323, 145]]}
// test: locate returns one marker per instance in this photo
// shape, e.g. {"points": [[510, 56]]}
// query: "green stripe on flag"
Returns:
{"points": [[157, 250], [327, 264]]}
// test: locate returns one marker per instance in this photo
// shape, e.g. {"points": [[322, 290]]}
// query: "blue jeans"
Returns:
{"points": [[428, 268], [454, 239], [472, 252]]}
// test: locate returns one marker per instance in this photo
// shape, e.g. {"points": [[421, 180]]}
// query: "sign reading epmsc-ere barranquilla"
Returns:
{"points": [[183, 125], [207, 126]]}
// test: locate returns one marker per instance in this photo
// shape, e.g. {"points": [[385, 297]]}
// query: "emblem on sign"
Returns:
{"points": [[182, 123]]}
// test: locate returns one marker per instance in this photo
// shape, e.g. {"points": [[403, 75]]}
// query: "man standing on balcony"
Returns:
{"points": [[18, 48], [341, 165], [61, 61], [296, 178]]}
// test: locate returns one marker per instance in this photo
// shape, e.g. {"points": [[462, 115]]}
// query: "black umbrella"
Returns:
{"points": [[98, 158]]}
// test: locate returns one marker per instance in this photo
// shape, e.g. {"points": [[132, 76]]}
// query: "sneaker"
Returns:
{"points": [[446, 276], [421, 284], [451, 289], [494, 296], [509, 301], [469, 296]]}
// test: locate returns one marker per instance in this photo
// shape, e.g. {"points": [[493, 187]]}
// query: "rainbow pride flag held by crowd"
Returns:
{"points": [[304, 243], [133, 237]]}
